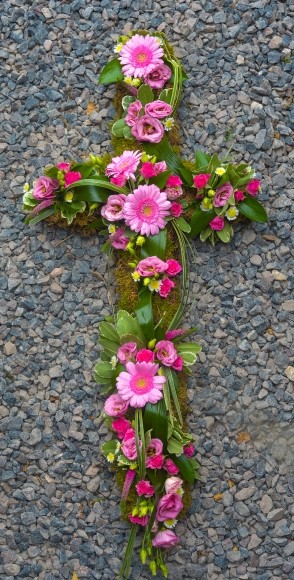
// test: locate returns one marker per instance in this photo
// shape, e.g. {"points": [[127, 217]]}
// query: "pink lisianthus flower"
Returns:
{"points": [[169, 506], [174, 267], [63, 166], [129, 448], [173, 484], [44, 187], [174, 181], [223, 193], [178, 364], [72, 177], [201, 180], [148, 129], [165, 539], [126, 352], [120, 180], [166, 352], [121, 426], [113, 210], [173, 192], [139, 520], [189, 450], [239, 195], [145, 488], [159, 75], [155, 447], [124, 165], [165, 287], [158, 109], [132, 116], [253, 187], [217, 224], [145, 355], [115, 406], [145, 210], [171, 467], [118, 240], [171, 334], [151, 266], [140, 55], [140, 384], [148, 170], [155, 462], [176, 209]]}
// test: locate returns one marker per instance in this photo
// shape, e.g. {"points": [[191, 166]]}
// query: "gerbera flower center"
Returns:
{"points": [[147, 210], [142, 55], [141, 383]]}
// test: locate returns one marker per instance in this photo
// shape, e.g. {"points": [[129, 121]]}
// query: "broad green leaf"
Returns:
{"points": [[144, 313], [155, 245], [111, 73], [118, 127], [70, 210], [253, 210], [108, 331], [214, 163], [202, 160], [103, 370], [225, 234], [155, 418], [84, 169], [128, 324], [205, 234], [199, 220], [126, 101], [109, 346], [145, 94], [174, 446], [160, 179], [132, 338], [165, 95], [183, 225], [109, 447], [99, 181], [91, 194], [186, 468], [41, 216], [189, 347]]}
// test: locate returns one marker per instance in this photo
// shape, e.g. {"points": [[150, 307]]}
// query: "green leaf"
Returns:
{"points": [[165, 95], [174, 446], [126, 101], [183, 225], [132, 338], [127, 133], [253, 210], [51, 172], [29, 200], [186, 468], [226, 233], [155, 245], [144, 313], [109, 346], [118, 127], [160, 179], [70, 210], [100, 182], [202, 160], [205, 234], [103, 372], [109, 447], [145, 95], [111, 73], [155, 418], [108, 331], [91, 193], [83, 168], [199, 220], [189, 347], [164, 152], [128, 324], [41, 216], [157, 478]]}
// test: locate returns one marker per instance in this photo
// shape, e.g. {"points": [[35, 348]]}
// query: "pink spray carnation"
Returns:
{"points": [[171, 467], [148, 129], [129, 448], [174, 267], [140, 55], [151, 266], [178, 364], [148, 170], [157, 78], [165, 539], [63, 166], [140, 384], [169, 506], [176, 209], [174, 181], [222, 195], [160, 166], [166, 352], [173, 484], [139, 520], [126, 352], [158, 109], [145, 355], [118, 240], [145, 210], [115, 406], [173, 192], [217, 224], [44, 187], [239, 195], [145, 488], [165, 287], [189, 450], [71, 177], [121, 426], [201, 180], [113, 210], [132, 116], [124, 165], [253, 187], [155, 462]]}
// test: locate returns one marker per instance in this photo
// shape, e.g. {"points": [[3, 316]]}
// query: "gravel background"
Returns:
{"points": [[238, 57]]}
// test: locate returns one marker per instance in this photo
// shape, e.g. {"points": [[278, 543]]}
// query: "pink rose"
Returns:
{"points": [[115, 406], [145, 355], [169, 506], [148, 129], [157, 78], [165, 539], [121, 426], [178, 364], [129, 448], [118, 240], [141, 521], [173, 484], [158, 109], [239, 196], [155, 462], [171, 467], [160, 166], [44, 187], [173, 192], [126, 352], [222, 195], [148, 170], [72, 177], [150, 266], [63, 166], [201, 180], [165, 287], [166, 352], [176, 209], [174, 267], [114, 208], [145, 488], [218, 223], [133, 113], [174, 181], [189, 450], [171, 334], [119, 180], [155, 446], [253, 187]]}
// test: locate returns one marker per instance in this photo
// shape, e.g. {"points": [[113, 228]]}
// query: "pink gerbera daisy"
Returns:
{"points": [[140, 55], [125, 165], [145, 210], [140, 385]]}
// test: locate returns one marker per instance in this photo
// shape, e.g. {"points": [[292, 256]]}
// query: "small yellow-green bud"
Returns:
{"points": [[211, 193], [69, 196], [153, 567], [143, 556], [140, 241], [146, 281], [152, 343]]}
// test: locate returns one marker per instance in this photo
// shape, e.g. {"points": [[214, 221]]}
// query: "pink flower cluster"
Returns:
{"points": [[144, 121], [153, 268], [141, 57]]}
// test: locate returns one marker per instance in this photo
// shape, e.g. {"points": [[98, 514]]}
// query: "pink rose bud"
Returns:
{"points": [[173, 484], [72, 177], [148, 170], [121, 426], [189, 450], [63, 166], [141, 521], [253, 187], [119, 180], [160, 166], [174, 267], [165, 287], [158, 109], [145, 355], [118, 240], [178, 364], [176, 209], [145, 488], [150, 266], [239, 195], [201, 180], [217, 224], [174, 181], [148, 129], [171, 467], [155, 462], [171, 334]]}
